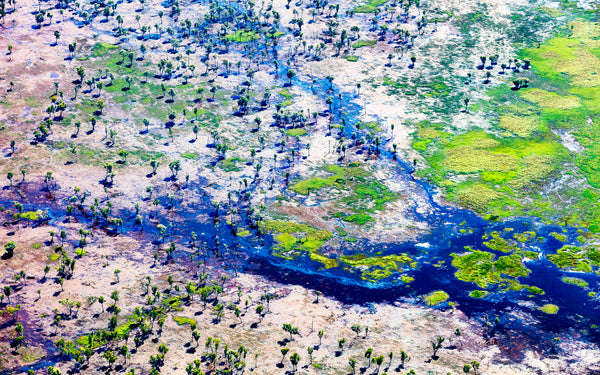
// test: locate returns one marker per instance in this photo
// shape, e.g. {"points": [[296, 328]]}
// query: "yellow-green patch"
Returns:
{"points": [[437, 297], [549, 309], [549, 99]]}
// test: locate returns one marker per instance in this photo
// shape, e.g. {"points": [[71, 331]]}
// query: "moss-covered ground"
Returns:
{"points": [[294, 239], [359, 194], [437, 297], [505, 170], [374, 268]]}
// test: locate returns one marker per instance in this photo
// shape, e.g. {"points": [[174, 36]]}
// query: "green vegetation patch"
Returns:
{"points": [[497, 243], [313, 184], [296, 132], [294, 239], [34, 215], [502, 171], [242, 36], [559, 236], [575, 281], [364, 43], [550, 99], [285, 93], [576, 258], [370, 6], [525, 236], [549, 309], [522, 126], [190, 155], [352, 58], [101, 49], [327, 262], [552, 12], [231, 164], [377, 267], [354, 190], [435, 86], [360, 219], [407, 279], [478, 293], [243, 233], [481, 268], [437, 297], [180, 320]]}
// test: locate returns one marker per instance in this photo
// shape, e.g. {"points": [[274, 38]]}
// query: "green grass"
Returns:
{"points": [[575, 281], [370, 7], [478, 293], [407, 279], [293, 239], [436, 297], [313, 184], [101, 49], [376, 268], [231, 164], [327, 262], [361, 196], [242, 233], [34, 215], [352, 58], [242, 36], [360, 219], [559, 236], [576, 258], [180, 320], [285, 93], [549, 309], [364, 43], [190, 155], [483, 269], [435, 87], [297, 132], [500, 172], [497, 243]]}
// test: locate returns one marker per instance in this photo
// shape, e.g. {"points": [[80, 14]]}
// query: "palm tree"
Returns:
{"points": [[378, 361], [330, 80], [290, 74], [174, 166], [110, 357], [403, 358], [284, 352], [294, 359], [352, 363], [368, 354], [436, 345]]}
